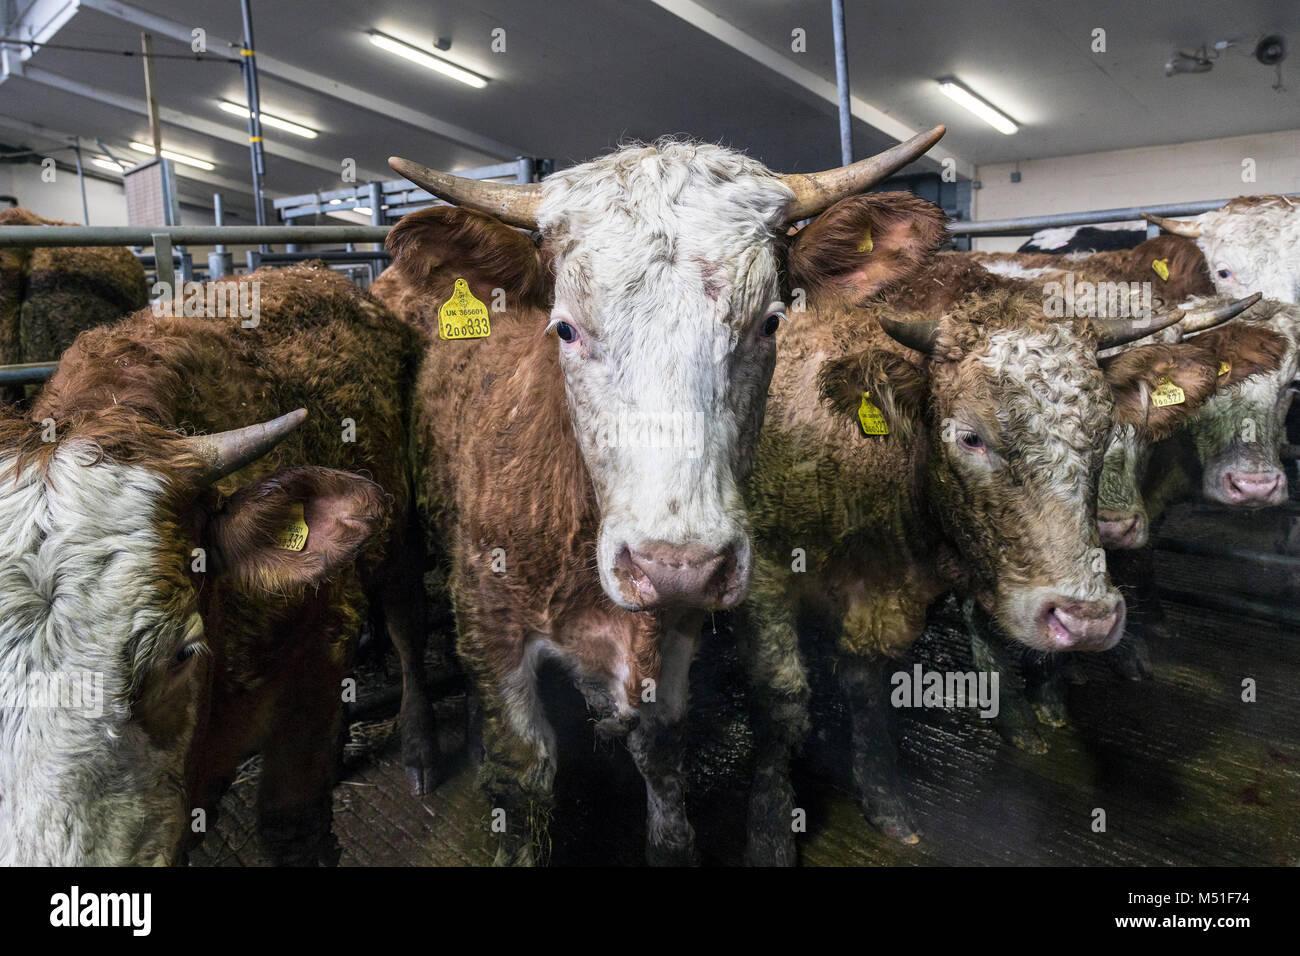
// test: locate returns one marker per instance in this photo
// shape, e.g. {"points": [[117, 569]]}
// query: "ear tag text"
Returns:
{"points": [[463, 316], [293, 536], [870, 417], [1167, 393]]}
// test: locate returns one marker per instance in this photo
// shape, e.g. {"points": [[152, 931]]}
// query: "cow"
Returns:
{"points": [[582, 462], [1251, 243], [48, 295], [1071, 239], [187, 549], [904, 457], [1172, 265]]}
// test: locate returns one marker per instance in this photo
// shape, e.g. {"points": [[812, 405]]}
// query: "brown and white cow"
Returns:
{"points": [[1251, 244], [180, 586], [583, 463], [978, 473]]}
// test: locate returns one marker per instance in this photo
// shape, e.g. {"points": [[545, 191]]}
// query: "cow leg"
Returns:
{"points": [[404, 614], [779, 711], [300, 755], [656, 744], [1134, 571], [863, 681], [518, 770], [1015, 722]]}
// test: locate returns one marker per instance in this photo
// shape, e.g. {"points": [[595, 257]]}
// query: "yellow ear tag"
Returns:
{"points": [[1167, 393], [870, 418], [293, 536], [1224, 368], [866, 245], [1161, 268], [463, 316]]}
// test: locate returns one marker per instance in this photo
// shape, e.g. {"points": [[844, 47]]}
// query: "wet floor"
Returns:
{"points": [[1185, 770]]}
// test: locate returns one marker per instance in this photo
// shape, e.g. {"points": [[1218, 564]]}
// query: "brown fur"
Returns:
{"points": [[281, 625]]}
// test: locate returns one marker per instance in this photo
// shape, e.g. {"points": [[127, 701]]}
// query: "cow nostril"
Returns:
{"points": [[659, 572]]}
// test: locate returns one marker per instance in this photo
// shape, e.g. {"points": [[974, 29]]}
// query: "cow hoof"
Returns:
{"points": [[422, 780], [420, 753], [1050, 714], [888, 815]]}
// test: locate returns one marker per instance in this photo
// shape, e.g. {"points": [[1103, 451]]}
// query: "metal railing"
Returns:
{"points": [[1029, 225]]}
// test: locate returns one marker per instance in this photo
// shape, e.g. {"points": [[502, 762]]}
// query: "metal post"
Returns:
{"points": [[81, 181], [254, 104], [163, 265], [151, 99], [842, 81], [220, 262], [376, 204]]}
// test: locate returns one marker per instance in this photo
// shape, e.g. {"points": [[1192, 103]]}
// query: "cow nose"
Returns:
{"points": [[1120, 530], [1254, 487], [657, 573], [1074, 625]]}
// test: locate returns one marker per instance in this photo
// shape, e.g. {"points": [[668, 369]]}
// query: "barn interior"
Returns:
{"points": [[1114, 108]]}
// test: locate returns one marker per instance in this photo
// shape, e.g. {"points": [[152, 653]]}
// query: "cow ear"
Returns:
{"points": [[866, 244], [434, 247], [894, 385], [1242, 351], [1157, 386], [296, 528]]}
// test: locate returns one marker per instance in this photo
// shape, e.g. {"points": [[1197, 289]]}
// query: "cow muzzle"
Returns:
{"points": [[1249, 489], [658, 574], [1124, 531], [1068, 624]]}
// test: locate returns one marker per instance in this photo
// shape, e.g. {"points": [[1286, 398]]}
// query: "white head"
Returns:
{"points": [[667, 263]]}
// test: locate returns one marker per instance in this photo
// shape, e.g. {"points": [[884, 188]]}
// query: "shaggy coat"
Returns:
{"points": [[213, 641]]}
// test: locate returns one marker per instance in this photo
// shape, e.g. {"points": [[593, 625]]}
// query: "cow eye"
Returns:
{"points": [[187, 653], [566, 332], [970, 440], [1225, 273], [772, 324]]}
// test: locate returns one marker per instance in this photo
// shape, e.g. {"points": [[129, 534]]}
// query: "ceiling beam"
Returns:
{"points": [[315, 82], [39, 22], [194, 176], [712, 24], [178, 119]]}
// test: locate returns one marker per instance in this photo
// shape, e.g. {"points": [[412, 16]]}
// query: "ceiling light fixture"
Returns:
{"points": [[426, 59], [174, 157], [105, 163], [237, 109], [980, 107]]}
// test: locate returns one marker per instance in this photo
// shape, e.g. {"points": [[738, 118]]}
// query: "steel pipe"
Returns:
{"points": [[185, 235]]}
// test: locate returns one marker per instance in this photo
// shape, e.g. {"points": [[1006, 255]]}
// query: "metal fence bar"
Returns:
{"points": [[185, 235], [1031, 224], [32, 373]]}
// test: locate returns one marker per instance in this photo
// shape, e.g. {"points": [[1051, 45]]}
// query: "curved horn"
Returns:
{"points": [[815, 192], [1112, 332], [919, 335], [227, 452], [1189, 230], [513, 203], [1199, 320]]}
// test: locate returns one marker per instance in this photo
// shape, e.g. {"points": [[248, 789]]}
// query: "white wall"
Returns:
{"points": [[61, 199], [1184, 172]]}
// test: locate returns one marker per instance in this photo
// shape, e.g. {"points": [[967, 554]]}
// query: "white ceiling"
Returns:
{"points": [[580, 76]]}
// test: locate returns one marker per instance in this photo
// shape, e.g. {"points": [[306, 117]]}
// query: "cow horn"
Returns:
{"points": [[513, 203], [1199, 320], [227, 452], [816, 192], [1112, 332], [1178, 227], [919, 335]]}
